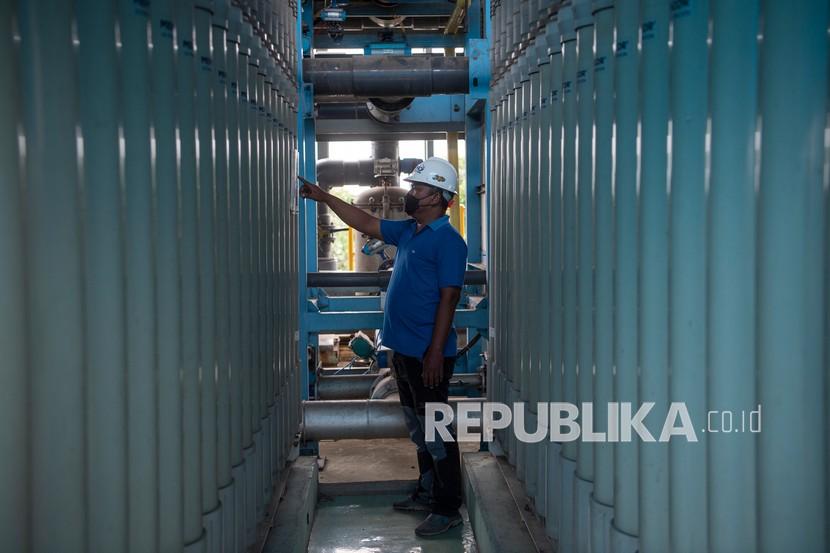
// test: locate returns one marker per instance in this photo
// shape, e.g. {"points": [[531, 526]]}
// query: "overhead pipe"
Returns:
{"points": [[732, 497], [382, 76], [602, 498], [335, 172]]}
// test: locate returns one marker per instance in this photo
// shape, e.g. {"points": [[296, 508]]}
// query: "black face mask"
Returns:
{"points": [[411, 204]]}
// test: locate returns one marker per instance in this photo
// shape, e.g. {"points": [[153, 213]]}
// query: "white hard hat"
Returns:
{"points": [[436, 172]]}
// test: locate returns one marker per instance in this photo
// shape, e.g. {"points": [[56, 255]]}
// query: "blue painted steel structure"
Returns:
{"points": [[321, 313]]}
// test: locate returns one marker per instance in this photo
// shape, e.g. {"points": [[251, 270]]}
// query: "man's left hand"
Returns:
{"points": [[433, 368]]}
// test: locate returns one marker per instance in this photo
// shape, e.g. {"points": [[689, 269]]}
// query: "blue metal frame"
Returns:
{"points": [[321, 313]]}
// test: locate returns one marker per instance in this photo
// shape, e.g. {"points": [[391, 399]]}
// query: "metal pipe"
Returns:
{"points": [[345, 386], [382, 76], [359, 386], [732, 495], [15, 504], [381, 279], [168, 300], [336, 172], [366, 419]]}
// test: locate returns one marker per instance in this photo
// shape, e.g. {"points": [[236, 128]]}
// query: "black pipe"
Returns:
{"points": [[380, 76], [336, 172], [375, 280]]}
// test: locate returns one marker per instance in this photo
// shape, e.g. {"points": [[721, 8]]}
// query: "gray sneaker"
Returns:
{"points": [[437, 524], [414, 502]]}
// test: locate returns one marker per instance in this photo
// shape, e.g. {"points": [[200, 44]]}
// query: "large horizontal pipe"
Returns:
{"points": [[337, 279], [337, 172], [366, 419], [383, 76], [359, 386], [351, 386]]}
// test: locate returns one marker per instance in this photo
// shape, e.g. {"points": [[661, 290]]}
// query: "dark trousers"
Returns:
{"points": [[438, 461]]}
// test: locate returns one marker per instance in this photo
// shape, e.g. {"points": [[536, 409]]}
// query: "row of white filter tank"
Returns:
{"points": [[659, 234], [149, 389]]}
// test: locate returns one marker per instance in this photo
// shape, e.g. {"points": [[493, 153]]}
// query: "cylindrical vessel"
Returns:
{"points": [[385, 202]]}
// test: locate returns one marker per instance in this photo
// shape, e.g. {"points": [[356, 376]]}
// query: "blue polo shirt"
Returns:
{"points": [[426, 261]]}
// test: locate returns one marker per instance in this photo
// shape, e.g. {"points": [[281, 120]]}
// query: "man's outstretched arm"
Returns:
{"points": [[349, 214]]}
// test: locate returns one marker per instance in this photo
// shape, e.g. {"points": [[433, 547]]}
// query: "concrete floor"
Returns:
{"points": [[368, 524], [371, 460], [364, 521]]}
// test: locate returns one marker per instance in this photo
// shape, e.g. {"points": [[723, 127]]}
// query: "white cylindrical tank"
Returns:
{"points": [[385, 202]]}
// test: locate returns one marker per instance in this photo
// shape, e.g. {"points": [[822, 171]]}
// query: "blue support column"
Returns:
{"points": [[307, 236]]}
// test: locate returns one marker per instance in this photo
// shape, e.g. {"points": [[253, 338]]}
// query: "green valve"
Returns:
{"points": [[362, 346]]}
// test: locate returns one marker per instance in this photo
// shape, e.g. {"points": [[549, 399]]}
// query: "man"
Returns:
{"points": [[423, 292]]}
